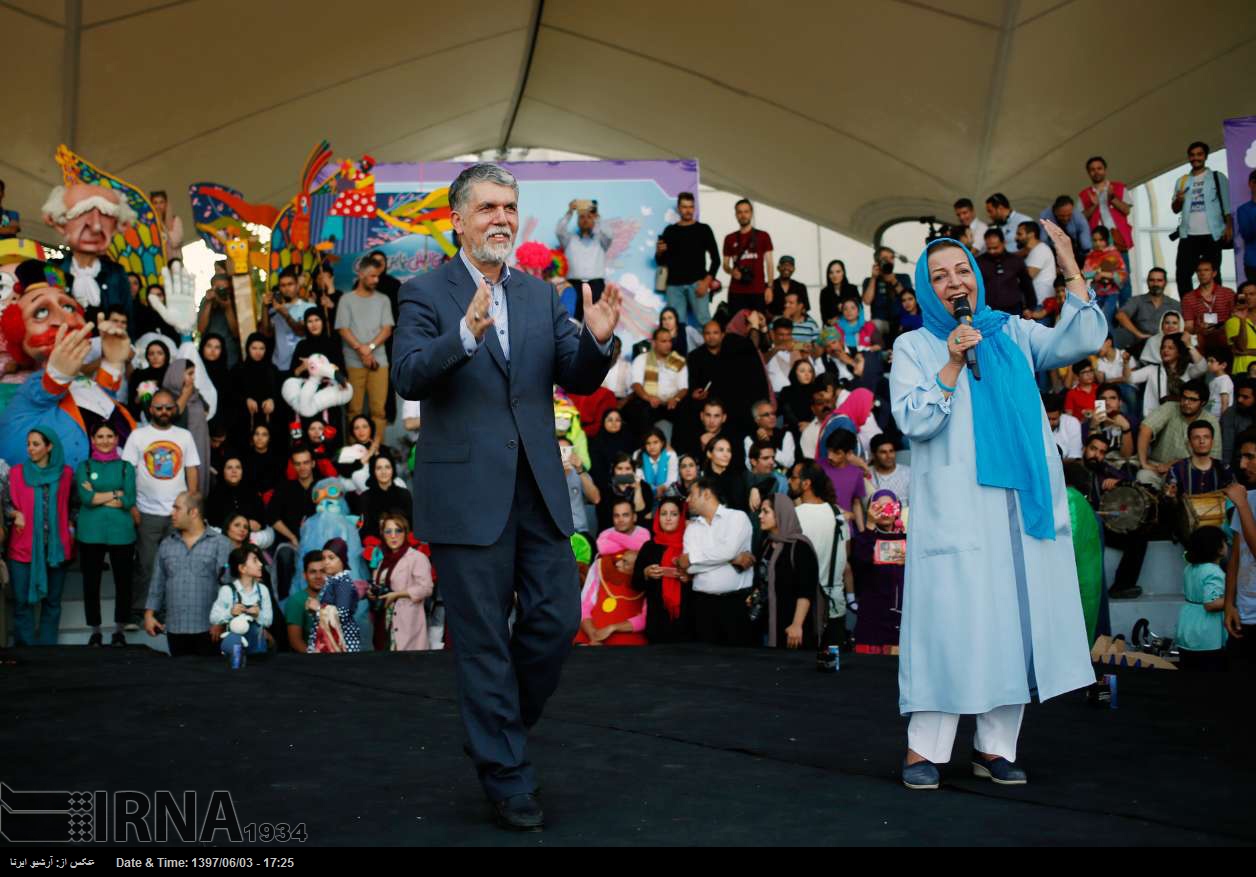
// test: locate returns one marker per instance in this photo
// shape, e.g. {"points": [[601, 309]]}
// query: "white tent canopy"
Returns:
{"points": [[846, 113]]}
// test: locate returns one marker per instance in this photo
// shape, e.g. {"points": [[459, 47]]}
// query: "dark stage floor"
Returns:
{"points": [[659, 745]]}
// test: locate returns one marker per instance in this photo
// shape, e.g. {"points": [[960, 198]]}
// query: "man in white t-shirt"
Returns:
{"points": [[885, 473], [619, 378], [1065, 428], [1039, 260], [165, 461], [967, 216]]}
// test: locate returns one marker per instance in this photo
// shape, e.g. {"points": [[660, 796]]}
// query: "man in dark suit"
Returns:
{"points": [[481, 347]]}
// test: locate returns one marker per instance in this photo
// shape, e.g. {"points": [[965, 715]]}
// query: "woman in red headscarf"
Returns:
{"points": [[668, 591]]}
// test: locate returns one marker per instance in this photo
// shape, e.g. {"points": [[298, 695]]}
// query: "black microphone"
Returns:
{"points": [[964, 314]]}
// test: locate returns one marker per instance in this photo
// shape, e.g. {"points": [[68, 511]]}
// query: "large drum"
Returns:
{"points": [[1129, 508], [1199, 510]]}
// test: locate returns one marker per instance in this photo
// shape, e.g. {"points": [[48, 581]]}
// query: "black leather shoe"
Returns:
{"points": [[520, 813], [95, 641], [118, 640]]}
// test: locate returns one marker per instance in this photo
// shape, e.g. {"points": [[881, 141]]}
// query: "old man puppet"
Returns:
{"points": [[87, 216]]}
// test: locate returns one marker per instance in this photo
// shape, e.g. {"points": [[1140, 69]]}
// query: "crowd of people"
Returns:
{"points": [[734, 481]]}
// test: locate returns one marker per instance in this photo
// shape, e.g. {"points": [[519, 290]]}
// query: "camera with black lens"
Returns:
{"points": [[887, 268], [745, 275]]}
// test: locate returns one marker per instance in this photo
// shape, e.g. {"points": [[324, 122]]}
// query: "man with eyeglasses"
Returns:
{"points": [[1163, 438], [767, 432], [165, 461], [1009, 288]]}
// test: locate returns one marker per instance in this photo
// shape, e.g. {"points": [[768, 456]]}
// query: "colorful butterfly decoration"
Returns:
{"points": [[220, 210], [290, 234], [138, 248], [429, 215]]}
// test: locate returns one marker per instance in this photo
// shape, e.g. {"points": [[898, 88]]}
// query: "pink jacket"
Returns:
{"points": [[23, 498], [413, 576]]}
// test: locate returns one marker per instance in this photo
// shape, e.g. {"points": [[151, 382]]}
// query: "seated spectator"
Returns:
{"points": [[581, 490], [885, 473], [144, 382], [1170, 324], [1101, 477], [41, 543], [1109, 421], [1109, 363], [1163, 381], [788, 571], [717, 557], [766, 431], [402, 583], [1080, 400], [1198, 473], [660, 382], [322, 441], [835, 362], [825, 528], [342, 592], [1162, 438], [362, 433], [782, 355], [1201, 634], [1240, 329], [1105, 271], [1139, 319], [715, 420], [910, 316], [264, 463], [383, 494], [619, 378], [185, 579], [682, 343], [613, 612], [301, 608], [690, 472], [794, 400], [823, 399], [243, 607], [668, 592], [1039, 261], [843, 467], [726, 367], [805, 330], [606, 446], [836, 290], [1206, 308], [877, 559], [234, 494], [729, 478], [1239, 417], [1220, 384], [656, 465], [858, 334], [624, 485]]}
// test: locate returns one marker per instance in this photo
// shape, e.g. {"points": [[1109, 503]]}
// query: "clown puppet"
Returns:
{"points": [[45, 330]]}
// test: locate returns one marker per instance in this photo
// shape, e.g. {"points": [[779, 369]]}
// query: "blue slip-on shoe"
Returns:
{"points": [[921, 775], [1000, 770]]}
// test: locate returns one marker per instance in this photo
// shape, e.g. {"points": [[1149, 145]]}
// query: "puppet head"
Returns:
{"points": [[329, 496], [87, 216], [14, 252], [40, 306]]}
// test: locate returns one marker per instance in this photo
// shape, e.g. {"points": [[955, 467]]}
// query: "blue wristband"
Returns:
{"points": [[942, 386]]}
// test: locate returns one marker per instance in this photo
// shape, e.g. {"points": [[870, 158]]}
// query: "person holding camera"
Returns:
{"points": [[882, 288], [748, 259], [218, 315], [585, 250]]}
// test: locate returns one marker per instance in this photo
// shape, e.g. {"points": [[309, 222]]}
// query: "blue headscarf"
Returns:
{"points": [[45, 482], [1007, 409]]}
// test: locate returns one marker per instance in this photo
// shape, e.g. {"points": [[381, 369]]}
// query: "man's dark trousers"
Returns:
{"points": [[503, 675]]}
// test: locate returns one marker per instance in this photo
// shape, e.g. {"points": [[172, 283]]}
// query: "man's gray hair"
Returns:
{"points": [[460, 191]]}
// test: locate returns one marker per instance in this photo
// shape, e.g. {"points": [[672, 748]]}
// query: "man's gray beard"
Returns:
{"points": [[489, 254]]}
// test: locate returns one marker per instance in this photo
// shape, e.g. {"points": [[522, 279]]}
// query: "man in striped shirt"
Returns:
{"points": [[806, 331]]}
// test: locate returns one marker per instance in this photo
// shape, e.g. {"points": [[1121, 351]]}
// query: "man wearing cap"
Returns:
{"points": [[783, 284]]}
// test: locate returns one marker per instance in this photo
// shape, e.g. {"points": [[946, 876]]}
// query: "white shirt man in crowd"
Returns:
{"points": [[1065, 428], [165, 461], [784, 353], [967, 217], [660, 382], [885, 473], [585, 250], [1039, 260], [816, 507], [718, 557], [1004, 218]]}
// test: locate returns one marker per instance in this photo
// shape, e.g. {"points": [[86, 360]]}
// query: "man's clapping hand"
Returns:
{"points": [[478, 319]]}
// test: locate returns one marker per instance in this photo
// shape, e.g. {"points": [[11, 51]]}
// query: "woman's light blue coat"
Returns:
{"points": [[989, 613]]}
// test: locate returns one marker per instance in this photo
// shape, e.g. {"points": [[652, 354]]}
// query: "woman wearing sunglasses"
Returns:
{"points": [[401, 585]]}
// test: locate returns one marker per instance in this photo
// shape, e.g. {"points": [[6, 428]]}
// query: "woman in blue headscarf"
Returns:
{"points": [[991, 612]]}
